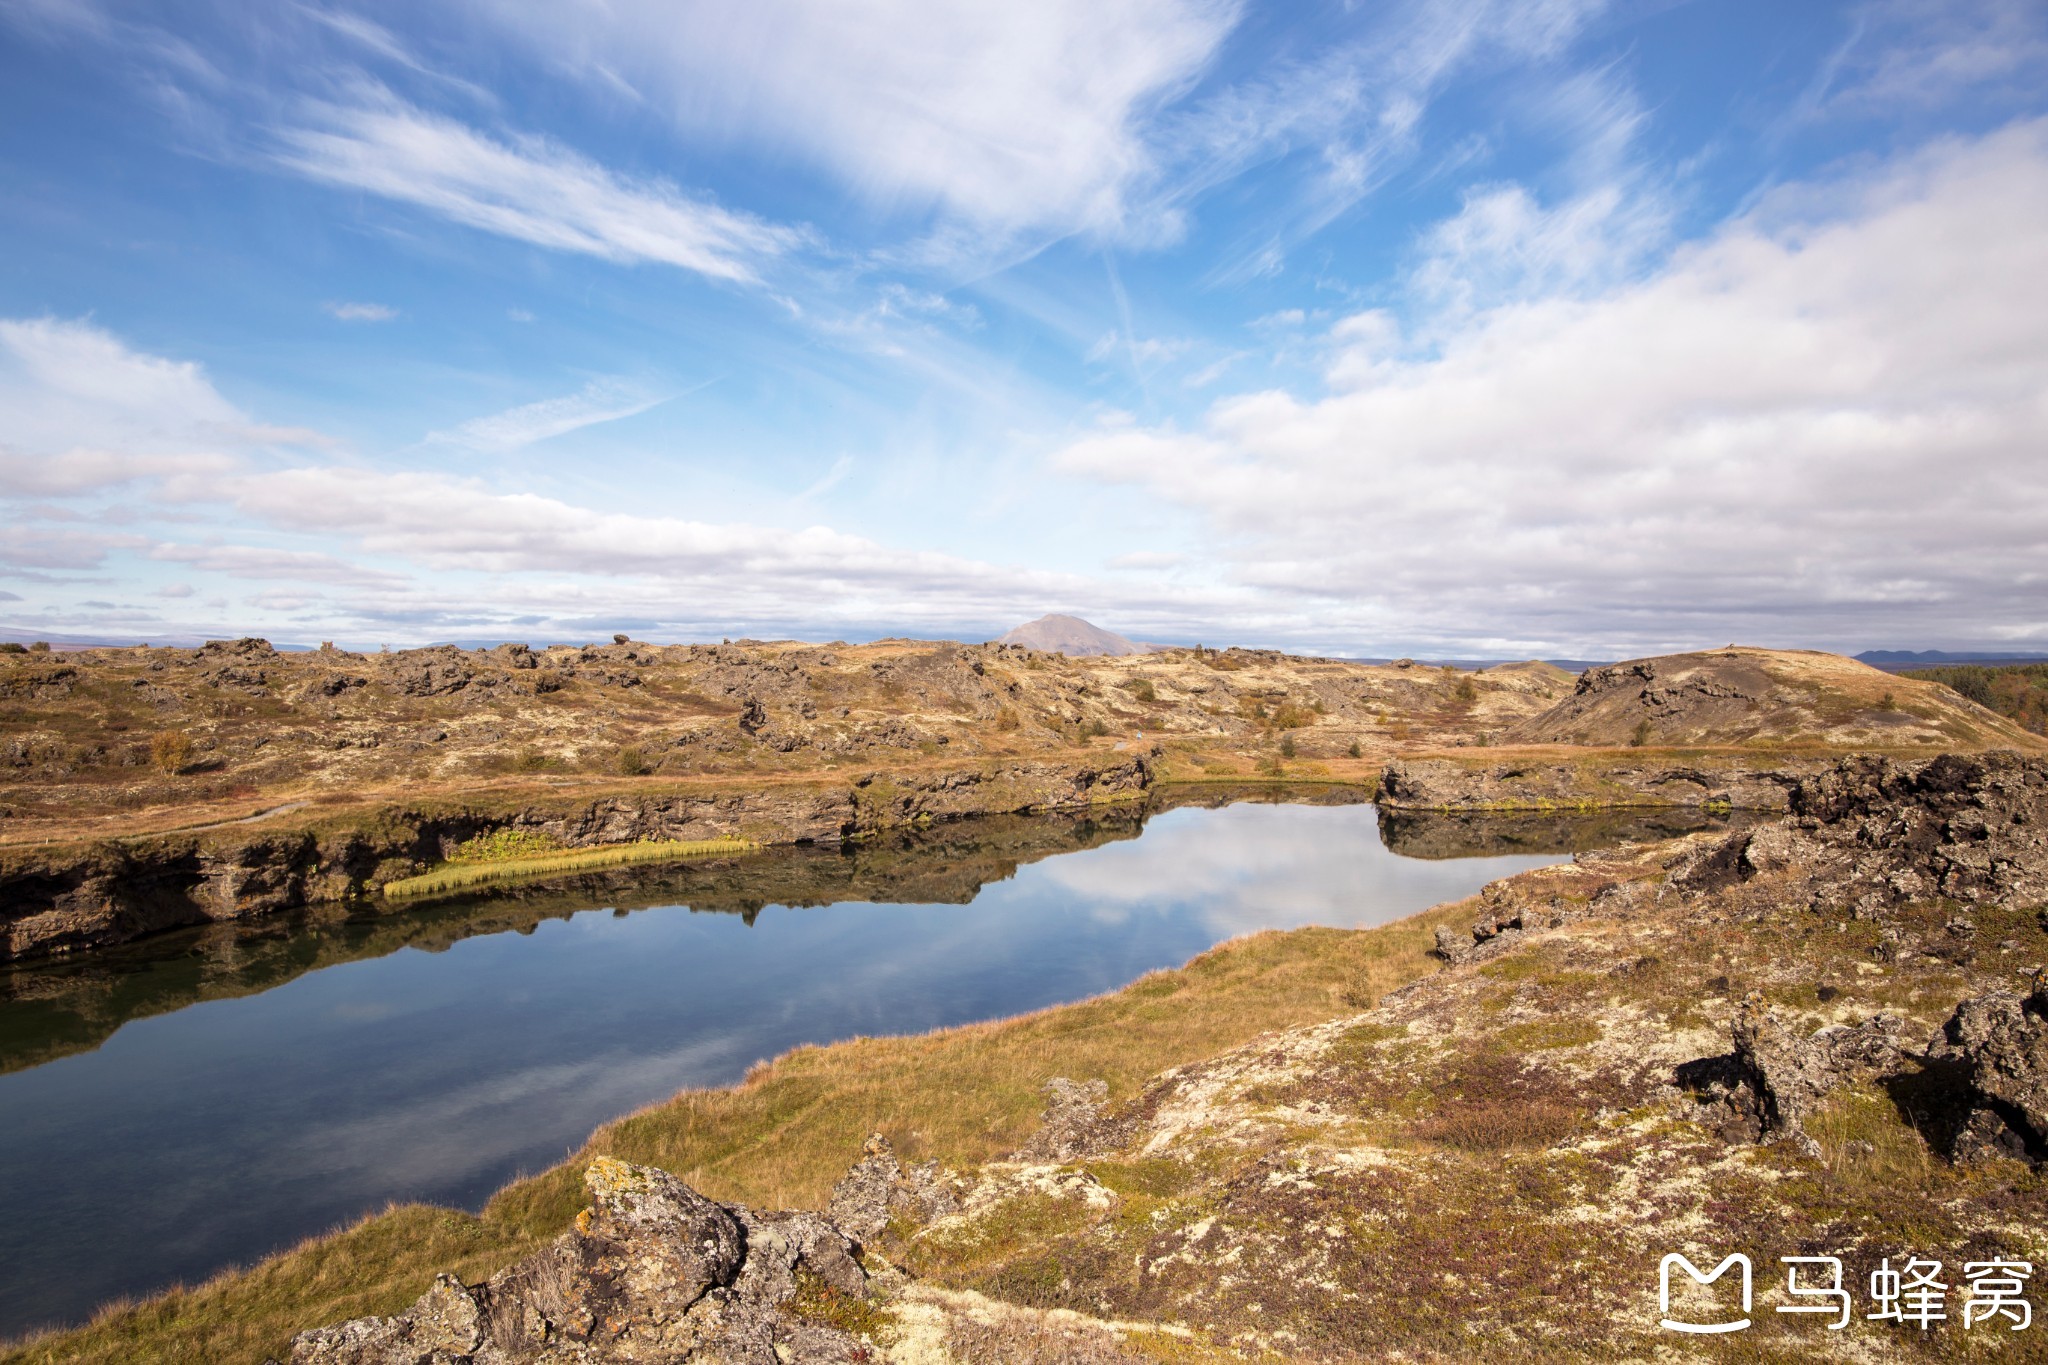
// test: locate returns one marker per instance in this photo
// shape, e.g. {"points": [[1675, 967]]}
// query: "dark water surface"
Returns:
{"points": [[214, 1095]]}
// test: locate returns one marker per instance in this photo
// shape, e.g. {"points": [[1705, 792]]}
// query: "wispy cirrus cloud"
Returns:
{"points": [[528, 188], [1922, 53], [601, 400], [1005, 117]]}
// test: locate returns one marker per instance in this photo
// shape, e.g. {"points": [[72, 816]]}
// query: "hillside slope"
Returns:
{"points": [[250, 725], [1762, 696]]}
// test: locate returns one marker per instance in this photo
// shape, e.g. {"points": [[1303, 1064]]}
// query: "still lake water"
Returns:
{"points": [[212, 1096]]}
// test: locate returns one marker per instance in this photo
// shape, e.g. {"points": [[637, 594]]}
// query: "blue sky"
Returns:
{"points": [[1533, 327]]}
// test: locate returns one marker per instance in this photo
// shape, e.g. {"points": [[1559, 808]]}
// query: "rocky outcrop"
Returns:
{"points": [[1869, 835], [1722, 784], [68, 898], [1999, 1041], [1787, 1071], [878, 1188], [1076, 1122], [1514, 907], [652, 1271]]}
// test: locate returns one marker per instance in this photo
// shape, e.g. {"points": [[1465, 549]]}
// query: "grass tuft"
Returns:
{"points": [[461, 876]]}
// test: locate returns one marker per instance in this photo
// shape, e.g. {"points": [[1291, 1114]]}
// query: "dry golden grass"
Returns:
{"points": [[461, 876], [784, 1135]]}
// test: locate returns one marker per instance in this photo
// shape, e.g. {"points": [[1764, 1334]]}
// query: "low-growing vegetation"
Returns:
{"points": [[170, 751], [505, 845], [456, 876]]}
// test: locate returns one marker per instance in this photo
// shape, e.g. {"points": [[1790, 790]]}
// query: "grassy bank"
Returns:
{"points": [[786, 1133], [461, 876]]}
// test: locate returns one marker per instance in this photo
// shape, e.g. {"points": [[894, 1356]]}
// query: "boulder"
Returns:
{"points": [[879, 1187], [1076, 1122], [1778, 1073], [1790, 1072], [1999, 1042]]}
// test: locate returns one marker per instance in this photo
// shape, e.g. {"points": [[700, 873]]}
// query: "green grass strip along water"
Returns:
{"points": [[460, 876]]}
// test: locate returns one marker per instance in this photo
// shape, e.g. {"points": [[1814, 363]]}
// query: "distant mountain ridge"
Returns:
{"points": [[1897, 660], [1070, 635]]}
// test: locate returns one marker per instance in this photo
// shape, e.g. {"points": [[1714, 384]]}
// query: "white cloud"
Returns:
{"points": [[270, 562], [901, 301], [830, 479], [1824, 421], [362, 312], [31, 547], [1007, 117], [80, 411], [176, 591], [601, 400], [89, 471], [530, 189], [88, 368], [490, 555], [435, 521], [1503, 244]]}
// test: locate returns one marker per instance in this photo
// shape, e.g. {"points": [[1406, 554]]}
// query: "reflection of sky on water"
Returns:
{"points": [[230, 1128], [1249, 867]]}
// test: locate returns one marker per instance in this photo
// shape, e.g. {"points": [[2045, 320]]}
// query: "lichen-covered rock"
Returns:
{"points": [[879, 1187], [1972, 828], [1870, 836], [2000, 1040], [1452, 946], [652, 1271], [1076, 1122], [1789, 1072]]}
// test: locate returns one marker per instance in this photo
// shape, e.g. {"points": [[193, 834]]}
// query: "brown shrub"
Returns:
{"points": [[170, 751], [1502, 1126]]}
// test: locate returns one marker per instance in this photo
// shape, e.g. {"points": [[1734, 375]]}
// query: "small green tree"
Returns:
{"points": [[632, 762], [1287, 746], [1355, 751]]}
